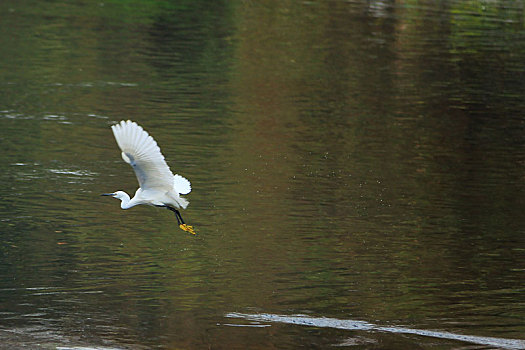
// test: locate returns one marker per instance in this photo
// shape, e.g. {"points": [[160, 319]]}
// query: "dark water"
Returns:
{"points": [[350, 160]]}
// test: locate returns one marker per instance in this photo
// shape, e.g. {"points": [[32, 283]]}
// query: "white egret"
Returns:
{"points": [[158, 186]]}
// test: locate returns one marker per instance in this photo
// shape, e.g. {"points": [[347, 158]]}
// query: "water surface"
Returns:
{"points": [[358, 160]]}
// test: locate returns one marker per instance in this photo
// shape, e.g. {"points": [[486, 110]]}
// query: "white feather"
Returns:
{"points": [[181, 184], [158, 185], [141, 151]]}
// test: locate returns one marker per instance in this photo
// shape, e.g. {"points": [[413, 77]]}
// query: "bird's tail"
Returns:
{"points": [[183, 202]]}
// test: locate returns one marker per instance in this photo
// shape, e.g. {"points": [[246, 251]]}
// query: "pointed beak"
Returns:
{"points": [[107, 194]]}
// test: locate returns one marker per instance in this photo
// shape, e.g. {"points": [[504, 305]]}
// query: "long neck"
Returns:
{"points": [[125, 204]]}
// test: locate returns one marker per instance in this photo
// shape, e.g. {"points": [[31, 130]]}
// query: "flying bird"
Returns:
{"points": [[158, 186]]}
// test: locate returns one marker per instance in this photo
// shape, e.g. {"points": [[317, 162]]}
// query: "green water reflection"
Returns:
{"points": [[359, 159]]}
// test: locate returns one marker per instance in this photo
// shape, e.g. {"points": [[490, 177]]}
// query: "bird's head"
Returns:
{"points": [[118, 194]]}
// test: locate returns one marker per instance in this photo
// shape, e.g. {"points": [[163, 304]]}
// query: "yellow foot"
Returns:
{"points": [[188, 228]]}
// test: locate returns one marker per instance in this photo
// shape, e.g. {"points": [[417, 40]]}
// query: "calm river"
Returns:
{"points": [[358, 174]]}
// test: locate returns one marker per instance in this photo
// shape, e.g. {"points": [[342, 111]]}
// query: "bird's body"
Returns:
{"points": [[158, 186]]}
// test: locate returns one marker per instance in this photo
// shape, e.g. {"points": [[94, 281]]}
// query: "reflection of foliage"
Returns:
{"points": [[486, 26], [357, 157]]}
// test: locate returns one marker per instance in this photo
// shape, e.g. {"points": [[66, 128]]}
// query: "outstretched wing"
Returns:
{"points": [[141, 151]]}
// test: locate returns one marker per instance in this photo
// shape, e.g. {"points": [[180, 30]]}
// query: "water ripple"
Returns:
{"points": [[326, 322]]}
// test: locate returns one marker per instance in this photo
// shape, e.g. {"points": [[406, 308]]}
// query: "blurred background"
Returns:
{"points": [[352, 159]]}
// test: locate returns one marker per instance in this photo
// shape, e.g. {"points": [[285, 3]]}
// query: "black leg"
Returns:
{"points": [[180, 221], [179, 217]]}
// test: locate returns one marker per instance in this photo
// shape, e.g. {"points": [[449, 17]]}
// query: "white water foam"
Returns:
{"points": [[325, 322]]}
